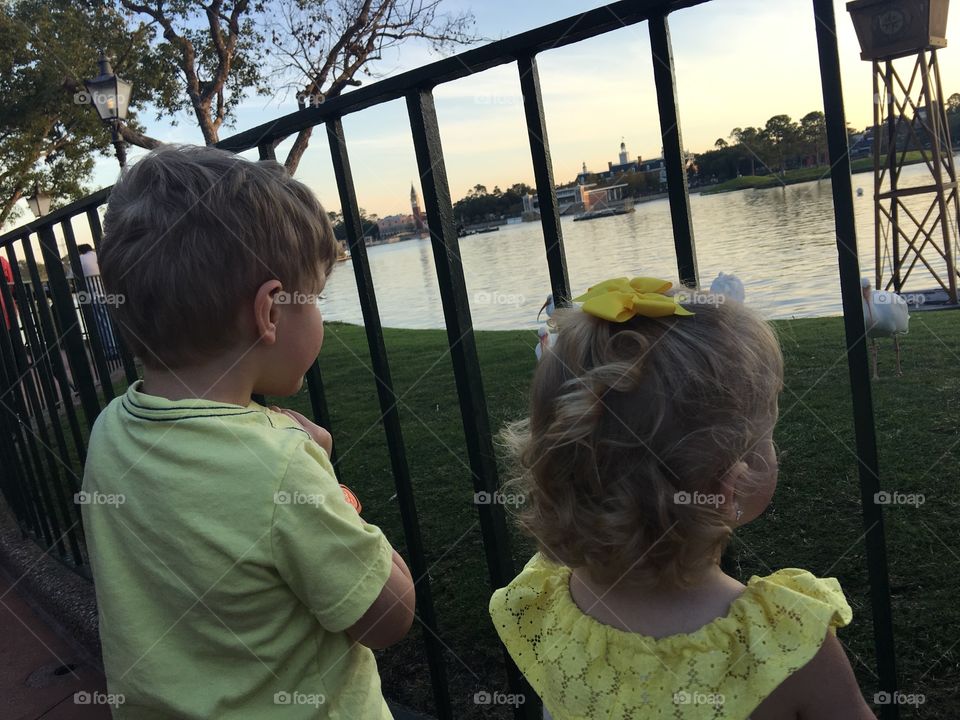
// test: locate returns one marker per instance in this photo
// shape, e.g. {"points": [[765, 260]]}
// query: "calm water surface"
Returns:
{"points": [[780, 242]]}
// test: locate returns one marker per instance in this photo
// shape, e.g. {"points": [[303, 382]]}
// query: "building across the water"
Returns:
{"points": [[568, 197], [627, 166], [624, 165], [591, 190], [396, 224]]}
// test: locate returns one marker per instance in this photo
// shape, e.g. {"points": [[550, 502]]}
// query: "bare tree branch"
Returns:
{"points": [[320, 48], [326, 46], [139, 139], [187, 62]]}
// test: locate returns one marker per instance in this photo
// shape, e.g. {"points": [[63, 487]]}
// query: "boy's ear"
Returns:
{"points": [[266, 310]]}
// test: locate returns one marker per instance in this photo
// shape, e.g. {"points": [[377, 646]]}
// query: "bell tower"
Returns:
{"points": [[415, 210]]}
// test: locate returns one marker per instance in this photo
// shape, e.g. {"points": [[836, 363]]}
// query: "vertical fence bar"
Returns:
{"points": [[22, 493], [12, 487], [48, 342], [87, 310], [321, 412], [853, 322], [877, 147], [543, 174], [63, 307], [19, 385], [59, 466], [126, 357], [463, 352], [39, 367], [390, 416], [50, 478], [674, 157]]}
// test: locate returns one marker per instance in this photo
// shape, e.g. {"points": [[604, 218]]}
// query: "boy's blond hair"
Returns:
{"points": [[627, 418], [190, 233]]}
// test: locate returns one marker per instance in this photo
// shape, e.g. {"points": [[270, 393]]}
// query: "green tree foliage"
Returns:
{"points": [[367, 222], [953, 116], [813, 135], [49, 137], [781, 144], [641, 183], [480, 205], [187, 58]]}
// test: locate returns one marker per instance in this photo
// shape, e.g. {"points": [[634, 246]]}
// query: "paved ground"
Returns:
{"points": [[40, 675]]}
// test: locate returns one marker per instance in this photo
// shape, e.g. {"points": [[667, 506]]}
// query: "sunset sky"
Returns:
{"points": [[738, 63]]}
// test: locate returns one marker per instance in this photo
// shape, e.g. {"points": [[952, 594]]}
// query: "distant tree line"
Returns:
{"points": [[780, 145], [481, 205], [367, 222], [953, 117]]}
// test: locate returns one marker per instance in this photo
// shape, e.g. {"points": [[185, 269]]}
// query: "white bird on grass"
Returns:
{"points": [[885, 314], [730, 286]]}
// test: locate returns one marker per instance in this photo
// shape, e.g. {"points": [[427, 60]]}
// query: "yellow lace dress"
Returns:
{"points": [[586, 670]]}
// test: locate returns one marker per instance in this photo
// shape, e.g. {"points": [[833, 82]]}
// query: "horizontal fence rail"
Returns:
{"points": [[62, 358]]}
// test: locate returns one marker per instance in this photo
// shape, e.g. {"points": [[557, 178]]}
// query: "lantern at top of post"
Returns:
{"points": [[39, 203], [109, 95], [889, 29]]}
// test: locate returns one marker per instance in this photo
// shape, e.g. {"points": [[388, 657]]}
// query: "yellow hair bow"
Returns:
{"points": [[620, 299]]}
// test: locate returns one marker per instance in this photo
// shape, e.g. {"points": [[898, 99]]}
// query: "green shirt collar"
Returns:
{"points": [[153, 407]]}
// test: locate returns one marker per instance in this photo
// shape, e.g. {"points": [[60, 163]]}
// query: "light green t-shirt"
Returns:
{"points": [[227, 565]]}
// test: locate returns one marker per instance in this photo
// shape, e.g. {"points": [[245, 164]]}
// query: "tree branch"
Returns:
{"points": [[139, 139]]}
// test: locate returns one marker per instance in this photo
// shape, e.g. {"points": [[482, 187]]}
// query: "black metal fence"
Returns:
{"points": [[57, 344]]}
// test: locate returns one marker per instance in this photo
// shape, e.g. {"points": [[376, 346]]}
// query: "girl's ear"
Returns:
{"points": [[266, 311], [731, 480]]}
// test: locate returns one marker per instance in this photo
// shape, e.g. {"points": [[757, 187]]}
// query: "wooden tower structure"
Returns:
{"points": [[916, 222]]}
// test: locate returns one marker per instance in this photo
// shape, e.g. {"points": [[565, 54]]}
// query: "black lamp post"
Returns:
{"points": [[110, 96]]}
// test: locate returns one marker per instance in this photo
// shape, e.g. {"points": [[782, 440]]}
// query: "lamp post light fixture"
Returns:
{"points": [[110, 97], [39, 203]]}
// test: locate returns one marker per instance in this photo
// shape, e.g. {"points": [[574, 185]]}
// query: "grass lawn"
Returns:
{"points": [[814, 523]]}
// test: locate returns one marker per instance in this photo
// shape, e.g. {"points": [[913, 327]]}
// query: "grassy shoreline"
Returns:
{"points": [[792, 177]]}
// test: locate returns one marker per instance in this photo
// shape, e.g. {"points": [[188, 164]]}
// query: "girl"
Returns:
{"points": [[649, 441]]}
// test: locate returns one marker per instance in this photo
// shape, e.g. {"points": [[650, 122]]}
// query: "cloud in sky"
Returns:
{"points": [[738, 63]]}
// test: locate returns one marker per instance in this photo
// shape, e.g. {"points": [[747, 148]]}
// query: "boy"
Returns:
{"points": [[233, 579]]}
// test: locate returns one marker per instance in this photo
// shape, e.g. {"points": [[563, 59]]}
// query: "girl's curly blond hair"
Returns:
{"points": [[628, 419]]}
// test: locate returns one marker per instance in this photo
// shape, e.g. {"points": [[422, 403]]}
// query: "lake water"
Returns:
{"points": [[780, 242]]}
